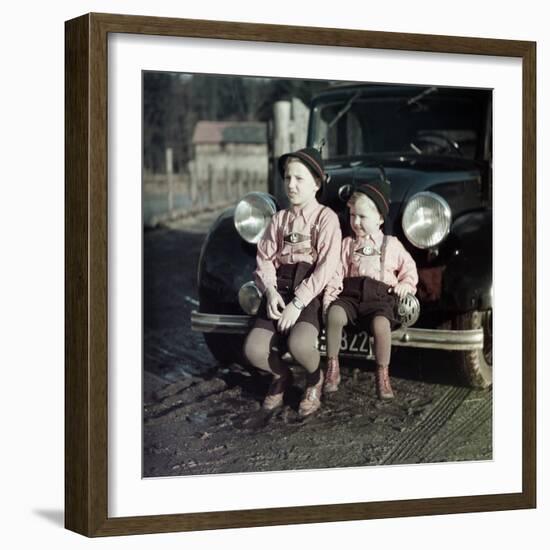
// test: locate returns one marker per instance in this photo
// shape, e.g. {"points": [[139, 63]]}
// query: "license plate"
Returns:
{"points": [[352, 343], [357, 342]]}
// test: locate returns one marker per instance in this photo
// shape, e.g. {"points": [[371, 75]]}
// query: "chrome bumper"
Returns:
{"points": [[454, 340]]}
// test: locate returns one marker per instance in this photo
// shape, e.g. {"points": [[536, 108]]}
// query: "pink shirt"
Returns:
{"points": [[361, 257], [287, 240]]}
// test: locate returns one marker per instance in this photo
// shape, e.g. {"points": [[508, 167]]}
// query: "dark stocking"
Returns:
{"points": [[257, 349], [381, 331], [302, 344], [336, 321]]}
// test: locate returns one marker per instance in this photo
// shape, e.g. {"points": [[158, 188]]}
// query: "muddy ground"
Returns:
{"points": [[200, 417]]}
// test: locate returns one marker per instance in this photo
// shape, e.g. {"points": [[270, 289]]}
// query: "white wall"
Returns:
{"points": [[31, 272]]}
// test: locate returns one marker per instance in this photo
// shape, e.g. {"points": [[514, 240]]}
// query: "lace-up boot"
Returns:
{"points": [[383, 386], [312, 398], [275, 394], [333, 378]]}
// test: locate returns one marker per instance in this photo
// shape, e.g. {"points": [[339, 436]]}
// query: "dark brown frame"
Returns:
{"points": [[87, 286]]}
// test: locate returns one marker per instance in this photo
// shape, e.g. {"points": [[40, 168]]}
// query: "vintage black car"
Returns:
{"points": [[434, 145]]}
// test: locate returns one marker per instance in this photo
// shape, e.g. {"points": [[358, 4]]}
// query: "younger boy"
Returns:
{"points": [[376, 271]]}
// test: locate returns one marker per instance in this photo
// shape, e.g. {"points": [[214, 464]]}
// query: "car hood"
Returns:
{"points": [[460, 185]]}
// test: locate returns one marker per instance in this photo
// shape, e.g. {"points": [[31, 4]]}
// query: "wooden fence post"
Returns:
{"points": [[170, 178], [300, 120], [227, 183], [281, 145], [193, 178], [209, 185]]}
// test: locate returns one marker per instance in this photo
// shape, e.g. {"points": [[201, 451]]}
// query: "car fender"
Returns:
{"points": [[467, 279], [226, 262]]}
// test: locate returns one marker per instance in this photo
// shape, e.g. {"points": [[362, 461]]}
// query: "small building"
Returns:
{"points": [[230, 149]]}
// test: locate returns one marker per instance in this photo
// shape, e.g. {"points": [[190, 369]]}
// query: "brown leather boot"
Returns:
{"points": [[383, 386], [276, 392], [312, 397], [333, 378]]}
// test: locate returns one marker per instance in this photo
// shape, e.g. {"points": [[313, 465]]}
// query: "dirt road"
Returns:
{"points": [[203, 418]]}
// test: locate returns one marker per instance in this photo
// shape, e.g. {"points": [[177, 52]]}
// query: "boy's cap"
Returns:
{"points": [[311, 157], [378, 191]]}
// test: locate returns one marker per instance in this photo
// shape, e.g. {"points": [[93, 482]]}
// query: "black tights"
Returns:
{"points": [[380, 329], [302, 344]]}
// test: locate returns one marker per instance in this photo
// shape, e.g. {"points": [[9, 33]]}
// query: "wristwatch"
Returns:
{"points": [[297, 304]]}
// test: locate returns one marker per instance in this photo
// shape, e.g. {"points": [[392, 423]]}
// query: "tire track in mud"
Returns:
{"points": [[163, 356], [411, 448], [476, 417], [189, 396]]}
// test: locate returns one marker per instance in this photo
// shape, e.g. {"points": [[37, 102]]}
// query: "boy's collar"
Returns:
{"points": [[375, 237], [306, 210]]}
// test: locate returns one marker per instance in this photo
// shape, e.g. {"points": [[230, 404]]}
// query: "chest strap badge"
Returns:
{"points": [[294, 238]]}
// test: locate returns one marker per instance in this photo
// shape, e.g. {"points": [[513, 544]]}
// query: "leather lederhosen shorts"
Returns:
{"points": [[289, 276], [364, 298]]}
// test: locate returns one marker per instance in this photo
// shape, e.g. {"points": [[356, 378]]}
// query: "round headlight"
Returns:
{"points": [[250, 298], [252, 215], [426, 219]]}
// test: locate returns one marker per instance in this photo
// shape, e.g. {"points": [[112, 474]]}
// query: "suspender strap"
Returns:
{"points": [[383, 257], [282, 231], [351, 251], [315, 229]]}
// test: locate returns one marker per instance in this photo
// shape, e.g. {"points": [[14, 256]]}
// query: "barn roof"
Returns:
{"points": [[207, 131]]}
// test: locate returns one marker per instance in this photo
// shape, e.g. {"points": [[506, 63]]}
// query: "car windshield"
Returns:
{"points": [[426, 123]]}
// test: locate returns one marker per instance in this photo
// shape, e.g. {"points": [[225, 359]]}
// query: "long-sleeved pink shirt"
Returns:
{"points": [[361, 257], [288, 240]]}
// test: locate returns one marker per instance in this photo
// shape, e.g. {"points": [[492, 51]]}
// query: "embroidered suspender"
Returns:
{"points": [[382, 254], [314, 234]]}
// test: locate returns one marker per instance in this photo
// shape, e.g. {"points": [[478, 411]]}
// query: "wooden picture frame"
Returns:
{"points": [[86, 222]]}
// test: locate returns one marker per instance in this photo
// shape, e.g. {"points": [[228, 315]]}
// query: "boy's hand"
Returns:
{"points": [[288, 318], [275, 303], [401, 289]]}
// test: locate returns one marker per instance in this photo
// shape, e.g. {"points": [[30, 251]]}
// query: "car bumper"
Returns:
{"points": [[452, 340]]}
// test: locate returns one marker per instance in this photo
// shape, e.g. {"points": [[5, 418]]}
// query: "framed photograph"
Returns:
{"points": [[174, 131]]}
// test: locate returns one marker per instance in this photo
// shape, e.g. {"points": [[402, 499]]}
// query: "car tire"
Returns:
{"points": [[476, 366]]}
